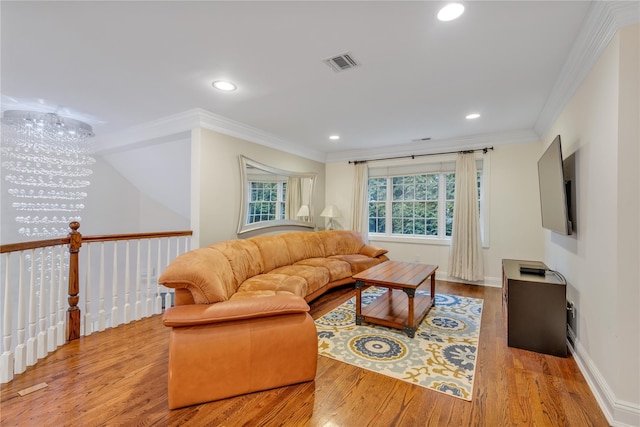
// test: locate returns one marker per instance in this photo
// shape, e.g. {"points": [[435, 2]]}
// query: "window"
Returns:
{"points": [[267, 201], [404, 202]]}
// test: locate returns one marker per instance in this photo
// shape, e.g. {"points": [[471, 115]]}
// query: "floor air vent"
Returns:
{"points": [[341, 62]]}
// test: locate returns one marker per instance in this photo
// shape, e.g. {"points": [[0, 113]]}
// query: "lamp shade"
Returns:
{"points": [[303, 211], [330, 212]]}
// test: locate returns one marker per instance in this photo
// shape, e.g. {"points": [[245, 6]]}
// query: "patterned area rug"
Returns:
{"points": [[441, 357]]}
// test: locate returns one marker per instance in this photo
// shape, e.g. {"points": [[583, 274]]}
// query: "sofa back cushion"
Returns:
{"points": [[340, 242], [303, 245], [243, 256], [274, 251], [205, 272]]}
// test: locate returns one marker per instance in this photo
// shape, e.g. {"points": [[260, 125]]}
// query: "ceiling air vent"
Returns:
{"points": [[341, 62]]}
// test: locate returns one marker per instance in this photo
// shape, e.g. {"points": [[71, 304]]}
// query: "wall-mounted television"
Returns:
{"points": [[554, 192]]}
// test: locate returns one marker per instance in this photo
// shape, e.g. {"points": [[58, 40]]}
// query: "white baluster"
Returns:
{"points": [[42, 308], [62, 289], [101, 311], [88, 324], [149, 310], [20, 354], [167, 301], [127, 286], [158, 297], [138, 307], [6, 359], [114, 287], [31, 342], [53, 294], [167, 295]]}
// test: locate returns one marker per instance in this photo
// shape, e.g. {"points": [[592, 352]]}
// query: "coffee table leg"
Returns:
{"points": [[411, 332], [359, 316], [433, 288], [410, 329]]}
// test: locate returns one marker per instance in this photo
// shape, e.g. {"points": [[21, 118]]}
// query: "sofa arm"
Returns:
{"points": [[240, 309], [372, 251]]}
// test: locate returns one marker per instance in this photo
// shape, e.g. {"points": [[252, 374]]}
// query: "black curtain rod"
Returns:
{"points": [[413, 156]]}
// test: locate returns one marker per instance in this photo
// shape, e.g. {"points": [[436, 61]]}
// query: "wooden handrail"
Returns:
{"points": [[136, 236], [75, 240], [24, 246]]}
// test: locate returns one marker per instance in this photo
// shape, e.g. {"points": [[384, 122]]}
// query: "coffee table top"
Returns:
{"points": [[406, 274]]}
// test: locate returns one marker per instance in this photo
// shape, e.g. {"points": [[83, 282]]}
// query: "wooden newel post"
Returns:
{"points": [[73, 312]]}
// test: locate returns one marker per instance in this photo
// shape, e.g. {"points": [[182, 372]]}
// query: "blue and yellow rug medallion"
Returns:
{"points": [[441, 357]]}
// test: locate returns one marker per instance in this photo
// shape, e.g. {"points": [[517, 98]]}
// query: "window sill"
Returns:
{"points": [[415, 240], [410, 240]]}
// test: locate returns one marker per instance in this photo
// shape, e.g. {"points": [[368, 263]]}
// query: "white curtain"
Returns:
{"points": [[466, 245], [294, 197], [360, 211]]}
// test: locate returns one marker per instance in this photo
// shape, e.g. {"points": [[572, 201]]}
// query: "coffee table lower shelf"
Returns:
{"points": [[395, 311]]}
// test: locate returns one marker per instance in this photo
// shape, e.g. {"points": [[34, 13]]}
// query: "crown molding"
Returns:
{"points": [[602, 22], [217, 123], [154, 131], [175, 126], [471, 142]]}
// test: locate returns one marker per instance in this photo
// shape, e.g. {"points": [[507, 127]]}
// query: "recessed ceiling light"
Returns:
{"points": [[450, 12], [334, 137], [472, 116], [224, 85]]}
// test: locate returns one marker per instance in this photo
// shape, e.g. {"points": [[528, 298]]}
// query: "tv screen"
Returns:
{"points": [[553, 194]]}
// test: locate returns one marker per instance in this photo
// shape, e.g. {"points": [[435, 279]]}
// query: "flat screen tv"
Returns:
{"points": [[553, 190]]}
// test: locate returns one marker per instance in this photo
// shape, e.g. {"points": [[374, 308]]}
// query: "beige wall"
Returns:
{"points": [[216, 187], [514, 209], [628, 227], [600, 262]]}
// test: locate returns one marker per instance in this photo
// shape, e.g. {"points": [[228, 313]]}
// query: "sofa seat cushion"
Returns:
{"points": [[338, 269], [358, 262], [271, 284], [316, 277]]}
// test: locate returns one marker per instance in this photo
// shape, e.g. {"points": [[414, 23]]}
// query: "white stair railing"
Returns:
{"points": [[36, 285]]}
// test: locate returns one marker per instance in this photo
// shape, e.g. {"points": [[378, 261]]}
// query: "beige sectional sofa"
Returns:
{"points": [[299, 263], [241, 322]]}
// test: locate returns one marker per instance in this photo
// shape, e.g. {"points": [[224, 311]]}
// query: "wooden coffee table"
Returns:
{"points": [[399, 312]]}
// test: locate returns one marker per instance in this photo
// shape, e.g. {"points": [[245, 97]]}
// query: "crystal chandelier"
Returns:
{"points": [[45, 161]]}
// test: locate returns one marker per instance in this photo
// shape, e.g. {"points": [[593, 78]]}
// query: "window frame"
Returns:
{"points": [[279, 202], [437, 164]]}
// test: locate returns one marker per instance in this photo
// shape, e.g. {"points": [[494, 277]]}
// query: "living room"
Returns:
{"points": [[191, 180]]}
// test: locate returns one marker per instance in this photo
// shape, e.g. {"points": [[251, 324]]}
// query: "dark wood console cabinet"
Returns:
{"points": [[535, 308]]}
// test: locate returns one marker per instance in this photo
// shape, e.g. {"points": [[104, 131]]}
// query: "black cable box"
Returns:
{"points": [[532, 269]]}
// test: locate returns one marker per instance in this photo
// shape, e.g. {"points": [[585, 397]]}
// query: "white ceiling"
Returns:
{"points": [[121, 64]]}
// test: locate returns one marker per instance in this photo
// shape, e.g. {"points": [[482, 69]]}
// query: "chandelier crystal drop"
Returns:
{"points": [[46, 160]]}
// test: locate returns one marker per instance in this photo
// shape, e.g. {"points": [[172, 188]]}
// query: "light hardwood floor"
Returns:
{"points": [[118, 378]]}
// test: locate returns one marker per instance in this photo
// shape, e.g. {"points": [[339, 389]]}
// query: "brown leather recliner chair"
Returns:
{"points": [[242, 346]]}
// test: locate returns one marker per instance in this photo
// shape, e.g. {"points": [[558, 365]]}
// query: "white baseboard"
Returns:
{"points": [[619, 413]]}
